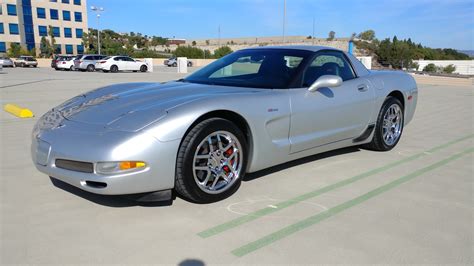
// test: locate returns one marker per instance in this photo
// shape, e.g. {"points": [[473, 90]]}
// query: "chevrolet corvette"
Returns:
{"points": [[198, 136]]}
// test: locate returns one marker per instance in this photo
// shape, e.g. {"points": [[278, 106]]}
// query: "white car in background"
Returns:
{"points": [[121, 63], [65, 63]]}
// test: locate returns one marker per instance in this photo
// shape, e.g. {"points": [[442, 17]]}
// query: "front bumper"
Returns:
{"points": [[91, 144]]}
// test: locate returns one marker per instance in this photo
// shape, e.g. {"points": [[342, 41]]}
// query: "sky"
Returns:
{"points": [[434, 23]]}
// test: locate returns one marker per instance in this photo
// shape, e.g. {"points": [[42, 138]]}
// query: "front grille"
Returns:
{"points": [[75, 166]]}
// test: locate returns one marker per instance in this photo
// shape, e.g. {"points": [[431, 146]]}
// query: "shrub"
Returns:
{"points": [[449, 69], [430, 68], [222, 51]]}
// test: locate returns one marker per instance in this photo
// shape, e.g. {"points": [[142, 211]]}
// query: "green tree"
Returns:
{"points": [[14, 50], [52, 40], [331, 35], [430, 68], [449, 69], [222, 51], [194, 43], [368, 35], [46, 50]]}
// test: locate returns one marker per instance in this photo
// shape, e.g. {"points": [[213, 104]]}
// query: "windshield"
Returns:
{"points": [[257, 68]]}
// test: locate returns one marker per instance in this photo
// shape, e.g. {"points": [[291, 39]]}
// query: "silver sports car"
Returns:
{"points": [[198, 136]]}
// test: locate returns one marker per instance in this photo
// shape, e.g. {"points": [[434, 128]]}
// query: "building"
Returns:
{"points": [[26, 21]]}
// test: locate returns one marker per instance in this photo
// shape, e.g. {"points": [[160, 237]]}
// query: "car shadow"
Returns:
{"points": [[106, 200], [312, 158]]}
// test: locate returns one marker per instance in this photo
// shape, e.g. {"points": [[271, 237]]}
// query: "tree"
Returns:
{"points": [[46, 50], [449, 69], [368, 35], [331, 35], [14, 50], [207, 42], [222, 51], [430, 68], [52, 39], [194, 43]]}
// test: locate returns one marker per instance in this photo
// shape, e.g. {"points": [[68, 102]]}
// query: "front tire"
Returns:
{"points": [[143, 68], [211, 161], [389, 126]]}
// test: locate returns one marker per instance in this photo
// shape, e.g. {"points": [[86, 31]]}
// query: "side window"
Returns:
{"points": [[88, 58], [328, 63]]}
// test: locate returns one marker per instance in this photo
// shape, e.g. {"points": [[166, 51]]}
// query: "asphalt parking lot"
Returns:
{"points": [[412, 205]]}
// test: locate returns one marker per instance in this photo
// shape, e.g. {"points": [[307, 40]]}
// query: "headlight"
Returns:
{"points": [[109, 168]]}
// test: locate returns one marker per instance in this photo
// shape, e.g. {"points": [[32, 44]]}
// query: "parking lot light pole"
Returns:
{"points": [[98, 10]]}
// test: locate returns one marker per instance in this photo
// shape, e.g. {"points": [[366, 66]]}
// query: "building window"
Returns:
{"points": [[1, 10], [14, 29], [67, 32], [79, 33], [77, 2], [69, 49], [41, 12], [11, 10], [78, 16], [66, 15], [57, 49], [3, 47], [65, 1], [56, 32], [53, 13], [54, 1], [2, 30], [43, 31], [80, 49]]}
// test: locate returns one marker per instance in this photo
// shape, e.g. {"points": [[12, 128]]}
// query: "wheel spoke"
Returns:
{"points": [[202, 156], [216, 179], [201, 168]]}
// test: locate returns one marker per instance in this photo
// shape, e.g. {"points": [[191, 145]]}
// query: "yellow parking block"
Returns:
{"points": [[18, 111]]}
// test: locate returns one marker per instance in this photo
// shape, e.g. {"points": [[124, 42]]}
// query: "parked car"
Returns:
{"points": [[120, 63], [66, 63], [173, 62], [201, 134], [57, 58], [26, 61], [87, 62], [7, 62]]}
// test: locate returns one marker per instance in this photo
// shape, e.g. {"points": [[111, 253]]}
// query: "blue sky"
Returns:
{"points": [[434, 23]]}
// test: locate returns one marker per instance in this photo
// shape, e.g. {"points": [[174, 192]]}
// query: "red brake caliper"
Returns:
{"points": [[228, 153]]}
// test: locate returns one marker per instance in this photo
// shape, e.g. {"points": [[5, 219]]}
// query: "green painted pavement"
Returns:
{"points": [[285, 204], [291, 229]]}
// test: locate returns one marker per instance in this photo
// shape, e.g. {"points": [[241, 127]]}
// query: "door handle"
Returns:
{"points": [[362, 88]]}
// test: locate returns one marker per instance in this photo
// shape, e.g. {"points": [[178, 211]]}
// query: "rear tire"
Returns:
{"points": [[389, 126], [218, 147], [90, 68], [71, 68], [114, 69]]}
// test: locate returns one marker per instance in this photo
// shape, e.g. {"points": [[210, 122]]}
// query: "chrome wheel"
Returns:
{"points": [[392, 124], [217, 162]]}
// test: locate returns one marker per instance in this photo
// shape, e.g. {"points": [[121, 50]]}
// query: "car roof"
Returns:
{"points": [[295, 47]]}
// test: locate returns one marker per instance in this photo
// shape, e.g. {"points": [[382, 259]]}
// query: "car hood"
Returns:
{"points": [[133, 106]]}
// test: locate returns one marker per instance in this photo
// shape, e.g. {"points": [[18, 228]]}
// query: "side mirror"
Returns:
{"points": [[326, 81]]}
